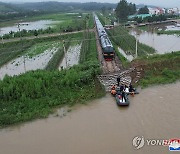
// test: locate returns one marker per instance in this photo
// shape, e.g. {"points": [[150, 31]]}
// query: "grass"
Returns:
{"points": [[169, 32], [160, 69], [123, 60], [53, 64], [41, 47], [10, 51], [88, 49], [35, 94]]}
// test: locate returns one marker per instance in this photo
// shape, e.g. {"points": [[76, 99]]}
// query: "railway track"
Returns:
{"points": [[112, 69], [107, 66]]}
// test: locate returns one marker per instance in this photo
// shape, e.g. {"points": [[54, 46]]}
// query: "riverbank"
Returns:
{"points": [[158, 69], [34, 94], [169, 32], [101, 126]]}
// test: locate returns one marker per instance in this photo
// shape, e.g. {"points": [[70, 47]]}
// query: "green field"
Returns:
{"points": [[160, 69], [169, 32]]}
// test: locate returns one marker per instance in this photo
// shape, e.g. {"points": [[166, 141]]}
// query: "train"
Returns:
{"points": [[106, 45]]}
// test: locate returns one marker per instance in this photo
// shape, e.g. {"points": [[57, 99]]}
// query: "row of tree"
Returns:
{"points": [[154, 18]]}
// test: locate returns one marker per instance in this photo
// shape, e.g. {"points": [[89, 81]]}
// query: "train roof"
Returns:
{"points": [[105, 41]]}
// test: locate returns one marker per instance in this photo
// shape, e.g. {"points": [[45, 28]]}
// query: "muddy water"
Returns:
{"points": [[24, 63], [101, 127], [72, 56], [27, 26], [161, 43]]}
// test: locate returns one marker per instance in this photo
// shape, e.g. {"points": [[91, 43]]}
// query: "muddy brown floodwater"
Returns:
{"points": [[101, 127], [161, 43]]}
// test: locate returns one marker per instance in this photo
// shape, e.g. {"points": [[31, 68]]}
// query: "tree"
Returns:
{"points": [[35, 33], [132, 9], [103, 9], [124, 9], [143, 10]]}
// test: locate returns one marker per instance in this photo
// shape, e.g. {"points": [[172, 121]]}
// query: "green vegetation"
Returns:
{"points": [[144, 28], [88, 49], [64, 23], [143, 10], [127, 42], [24, 10], [10, 51], [154, 18], [169, 32], [35, 94], [123, 60], [41, 47], [53, 64], [160, 69], [124, 9]]}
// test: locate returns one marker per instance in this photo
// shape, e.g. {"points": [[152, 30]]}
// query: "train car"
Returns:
{"points": [[106, 45]]}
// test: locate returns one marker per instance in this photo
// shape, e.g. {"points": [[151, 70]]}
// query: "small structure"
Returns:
{"points": [[139, 16]]}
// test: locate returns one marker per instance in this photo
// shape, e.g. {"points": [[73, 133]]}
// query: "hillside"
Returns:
{"points": [[8, 8], [58, 6]]}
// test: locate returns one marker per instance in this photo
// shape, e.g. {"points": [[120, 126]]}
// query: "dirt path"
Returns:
{"points": [[39, 36]]}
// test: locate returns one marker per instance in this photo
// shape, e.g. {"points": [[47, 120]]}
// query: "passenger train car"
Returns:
{"points": [[106, 45]]}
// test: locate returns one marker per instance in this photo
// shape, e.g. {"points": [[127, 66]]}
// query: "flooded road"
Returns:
{"points": [[161, 43], [101, 127]]}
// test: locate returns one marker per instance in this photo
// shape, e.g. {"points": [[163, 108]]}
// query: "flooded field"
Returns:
{"points": [[162, 43], [101, 127], [71, 57], [41, 24], [26, 63]]}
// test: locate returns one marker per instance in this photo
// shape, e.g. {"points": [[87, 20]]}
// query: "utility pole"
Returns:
{"points": [[2, 39], [65, 53], [136, 45], [21, 41]]}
